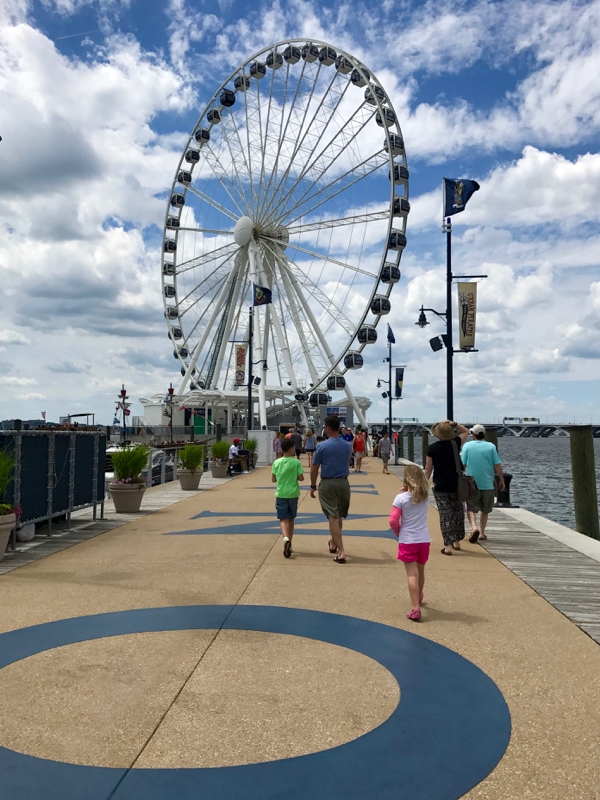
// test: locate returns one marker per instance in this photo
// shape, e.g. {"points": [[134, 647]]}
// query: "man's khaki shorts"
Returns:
{"points": [[334, 496], [484, 502]]}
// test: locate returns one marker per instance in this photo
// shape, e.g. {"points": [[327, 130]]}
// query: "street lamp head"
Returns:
{"points": [[379, 384], [422, 321]]}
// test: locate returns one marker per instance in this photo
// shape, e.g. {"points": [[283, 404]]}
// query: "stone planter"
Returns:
{"points": [[127, 497], [253, 458], [189, 479], [7, 523], [218, 470]]}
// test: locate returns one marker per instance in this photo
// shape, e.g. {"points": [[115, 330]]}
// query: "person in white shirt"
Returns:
{"points": [[237, 459], [408, 521]]}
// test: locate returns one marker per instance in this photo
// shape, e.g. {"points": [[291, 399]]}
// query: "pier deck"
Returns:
{"points": [[180, 655]]}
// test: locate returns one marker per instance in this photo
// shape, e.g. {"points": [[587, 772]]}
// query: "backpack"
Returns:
{"points": [[466, 487]]}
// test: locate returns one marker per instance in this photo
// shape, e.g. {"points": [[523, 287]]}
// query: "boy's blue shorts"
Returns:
{"points": [[287, 507]]}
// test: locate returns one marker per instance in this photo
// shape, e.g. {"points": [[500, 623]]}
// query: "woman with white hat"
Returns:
{"points": [[442, 462]]}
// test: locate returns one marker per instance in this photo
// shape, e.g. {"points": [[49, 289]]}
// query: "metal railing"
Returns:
{"points": [[59, 478]]}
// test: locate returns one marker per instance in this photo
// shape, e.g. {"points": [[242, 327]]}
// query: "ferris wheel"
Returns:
{"points": [[294, 179]]}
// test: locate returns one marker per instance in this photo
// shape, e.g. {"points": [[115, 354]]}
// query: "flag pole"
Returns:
{"points": [[395, 446], [250, 376], [449, 343]]}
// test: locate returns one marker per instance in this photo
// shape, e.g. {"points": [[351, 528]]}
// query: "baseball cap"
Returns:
{"points": [[477, 429], [236, 441]]}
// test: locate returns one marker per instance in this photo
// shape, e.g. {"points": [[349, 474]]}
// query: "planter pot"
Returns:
{"points": [[127, 499], [218, 470], [7, 523], [189, 479], [254, 457]]}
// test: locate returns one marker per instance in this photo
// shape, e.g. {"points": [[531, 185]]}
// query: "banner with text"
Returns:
{"points": [[399, 381], [467, 311], [240, 364]]}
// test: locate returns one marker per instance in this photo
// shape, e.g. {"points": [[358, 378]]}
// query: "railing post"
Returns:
{"points": [[491, 435], [400, 442], [50, 484], [584, 480], [411, 446], [219, 429], [163, 468], [424, 446], [149, 469]]}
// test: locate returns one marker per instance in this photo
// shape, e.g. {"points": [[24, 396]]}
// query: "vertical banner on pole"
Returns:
{"points": [[467, 310], [399, 381], [240, 364]]}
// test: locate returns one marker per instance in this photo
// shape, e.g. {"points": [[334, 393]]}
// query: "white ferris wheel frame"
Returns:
{"points": [[252, 252]]}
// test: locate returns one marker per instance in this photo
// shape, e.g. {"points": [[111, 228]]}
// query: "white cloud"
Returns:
{"points": [[7, 380], [12, 337]]}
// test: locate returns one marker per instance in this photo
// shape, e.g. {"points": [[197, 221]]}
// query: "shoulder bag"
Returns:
{"points": [[466, 486]]}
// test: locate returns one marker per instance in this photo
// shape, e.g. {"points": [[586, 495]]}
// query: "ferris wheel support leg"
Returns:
{"points": [[361, 417], [255, 271], [227, 332], [321, 338], [198, 349]]}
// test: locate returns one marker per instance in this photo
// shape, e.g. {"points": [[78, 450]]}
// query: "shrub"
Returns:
{"points": [[191, 457], [6, 471], [130, 462], [220, 450], [250, 444]]}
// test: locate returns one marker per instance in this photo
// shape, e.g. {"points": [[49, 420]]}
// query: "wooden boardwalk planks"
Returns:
{"points": [[568, 580]]}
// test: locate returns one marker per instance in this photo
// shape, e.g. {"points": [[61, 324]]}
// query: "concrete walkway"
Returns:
{"points": [[180, 655]]}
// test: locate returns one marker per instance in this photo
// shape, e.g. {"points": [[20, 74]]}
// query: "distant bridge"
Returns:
{"points": [[522, 430]]}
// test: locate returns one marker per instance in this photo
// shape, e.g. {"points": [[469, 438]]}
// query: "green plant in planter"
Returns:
{"points": [[220, 450], [129, 463], [7, 468], [191, 457], [251, 444]]}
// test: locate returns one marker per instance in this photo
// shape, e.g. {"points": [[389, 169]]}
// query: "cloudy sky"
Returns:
{"points": [[98, 98]]}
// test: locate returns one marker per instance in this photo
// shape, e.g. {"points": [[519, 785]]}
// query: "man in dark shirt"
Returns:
{"points": [[297, 439]]}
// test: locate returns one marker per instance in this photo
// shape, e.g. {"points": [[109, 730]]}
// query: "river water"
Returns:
{"points": [[541, 470]]}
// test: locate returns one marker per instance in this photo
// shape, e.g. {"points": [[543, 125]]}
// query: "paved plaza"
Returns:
{"points": [[179, 655]]}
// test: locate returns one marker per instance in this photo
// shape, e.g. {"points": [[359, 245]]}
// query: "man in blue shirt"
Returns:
{"points": [[333, 457], [482, 462]]}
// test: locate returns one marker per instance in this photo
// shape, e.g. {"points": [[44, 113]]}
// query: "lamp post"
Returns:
{"points": [[445, 340], [124, 406]]}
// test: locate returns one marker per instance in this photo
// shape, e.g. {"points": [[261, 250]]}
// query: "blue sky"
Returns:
{"points": [[99, 97]]}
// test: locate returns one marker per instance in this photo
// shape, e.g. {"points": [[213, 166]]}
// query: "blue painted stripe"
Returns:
{"points": [[412, 754]]}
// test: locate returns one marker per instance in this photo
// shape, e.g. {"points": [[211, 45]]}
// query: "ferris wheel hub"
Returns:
{"points": [[242, 233]]}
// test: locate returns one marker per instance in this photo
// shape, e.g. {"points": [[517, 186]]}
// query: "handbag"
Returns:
{"points": [[466, 487]]}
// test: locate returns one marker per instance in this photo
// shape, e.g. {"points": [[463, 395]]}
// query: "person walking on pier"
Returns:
{"points": [[297, 440], [441, 461], [408, 521], [385, 448], [482, 462], [309, 445], [286, 473], [333, 457]]}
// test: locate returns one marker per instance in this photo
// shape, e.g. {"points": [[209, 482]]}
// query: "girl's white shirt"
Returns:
{"points": [[413, 521]]}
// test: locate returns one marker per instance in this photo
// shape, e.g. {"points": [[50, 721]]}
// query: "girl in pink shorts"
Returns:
{"points": [[408, 520]]}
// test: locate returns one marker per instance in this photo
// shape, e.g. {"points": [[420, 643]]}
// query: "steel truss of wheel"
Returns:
{"points": [[295, 179]]}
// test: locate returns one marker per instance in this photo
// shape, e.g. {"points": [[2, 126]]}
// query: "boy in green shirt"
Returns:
{"points": [[287, 471]]}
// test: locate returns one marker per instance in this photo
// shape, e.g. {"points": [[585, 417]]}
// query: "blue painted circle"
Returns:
{"points": [[447, 734]]}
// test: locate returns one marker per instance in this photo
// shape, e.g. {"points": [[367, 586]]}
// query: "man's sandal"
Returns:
{"points": [[339, 560], [332, 549]]}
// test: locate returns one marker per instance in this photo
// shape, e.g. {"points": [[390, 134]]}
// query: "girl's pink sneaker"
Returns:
{"points": [[415, 614]]}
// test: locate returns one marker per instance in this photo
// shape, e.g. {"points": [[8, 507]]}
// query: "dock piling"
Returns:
{"points": [[411, 446], [584, 480], [424, 446]]}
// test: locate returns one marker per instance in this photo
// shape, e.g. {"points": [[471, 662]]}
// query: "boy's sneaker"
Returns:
{"points": [[287, 547]]}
